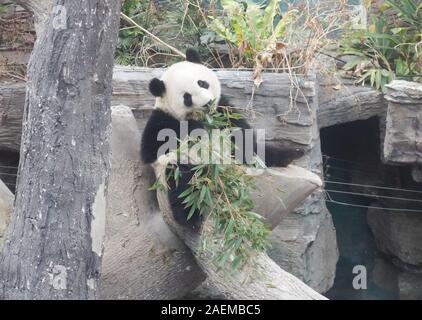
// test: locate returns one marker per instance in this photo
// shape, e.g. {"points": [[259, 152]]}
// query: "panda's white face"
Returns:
{"points": [[187, 87]]}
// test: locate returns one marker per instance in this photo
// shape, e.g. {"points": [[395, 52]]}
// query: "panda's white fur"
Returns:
{"points": [[183, 77]]}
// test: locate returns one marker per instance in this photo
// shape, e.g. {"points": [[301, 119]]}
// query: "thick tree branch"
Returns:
{"points": [[41, 10], [264, 279]]}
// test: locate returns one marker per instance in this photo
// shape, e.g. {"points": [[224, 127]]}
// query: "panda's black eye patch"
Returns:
{"points": [[203, 84], [187, 100]]}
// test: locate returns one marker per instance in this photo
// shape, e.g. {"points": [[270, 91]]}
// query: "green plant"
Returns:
{"points": [[185, 25], [4, 8], [389, 48], [132, 47], [260, 37], [221, 192], [252, 29]]}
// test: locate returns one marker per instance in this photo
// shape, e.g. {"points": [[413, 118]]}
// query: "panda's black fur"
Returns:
{"points": [[159, 119]]}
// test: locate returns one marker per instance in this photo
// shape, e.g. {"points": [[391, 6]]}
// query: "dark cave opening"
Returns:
{"points": [[9, 161], [352, 171]]}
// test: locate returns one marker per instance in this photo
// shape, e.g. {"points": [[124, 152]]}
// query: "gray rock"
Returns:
{"points": [[6, 209], [417, 173], [341, 101], [385, 275], [398, 234], [305, 243], [403, 137], [306, 246], [410, 286]]}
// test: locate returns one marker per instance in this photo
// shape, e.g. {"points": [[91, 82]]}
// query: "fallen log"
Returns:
{"points": [[340, 101]]}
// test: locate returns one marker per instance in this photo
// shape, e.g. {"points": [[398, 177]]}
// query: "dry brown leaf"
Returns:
{"points": [[280, 45], [257, 75]]}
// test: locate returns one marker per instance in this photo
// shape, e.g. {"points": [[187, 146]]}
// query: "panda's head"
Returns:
{"points": [[185, 87]]}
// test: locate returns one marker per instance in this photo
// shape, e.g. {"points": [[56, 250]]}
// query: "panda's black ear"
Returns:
{"points": [[157, 87], [193, 56]]}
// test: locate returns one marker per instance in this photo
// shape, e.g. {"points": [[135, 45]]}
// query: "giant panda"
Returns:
{"points": [[183, 88]]}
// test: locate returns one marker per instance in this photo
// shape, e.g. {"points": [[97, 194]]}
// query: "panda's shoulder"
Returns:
{"points": [[150, 143], [160, 119]]}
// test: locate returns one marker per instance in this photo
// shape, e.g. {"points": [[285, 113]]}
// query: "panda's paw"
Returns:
{"points": [[180, 214]]}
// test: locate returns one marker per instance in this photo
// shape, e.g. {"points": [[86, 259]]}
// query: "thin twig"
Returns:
{"points": [[125, 17]]}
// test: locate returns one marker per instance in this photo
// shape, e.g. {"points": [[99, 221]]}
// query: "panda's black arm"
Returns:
{"points": [[149, 144], [176, 203], [160, 120]]}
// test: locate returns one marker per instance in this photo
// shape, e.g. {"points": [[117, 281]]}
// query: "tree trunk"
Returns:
{"points": [[54, 242]]}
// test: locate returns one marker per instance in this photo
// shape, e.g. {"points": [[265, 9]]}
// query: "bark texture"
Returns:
{"points": [[54, 244], [40, 9]]}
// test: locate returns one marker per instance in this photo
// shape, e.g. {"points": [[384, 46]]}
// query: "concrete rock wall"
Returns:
{"points": [[403, 138]]}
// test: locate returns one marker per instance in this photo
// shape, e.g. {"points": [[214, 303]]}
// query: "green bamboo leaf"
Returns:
{"points": [[269, 14], [382, 36], [208, 198], [229, 228], [191, 211], [372, 77], [287, 19], [185, 193], [354, 61], [202, 194], [237, 262]]}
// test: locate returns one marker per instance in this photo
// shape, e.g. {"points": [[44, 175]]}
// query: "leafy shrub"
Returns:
{"points": [[251, 28], [260, 36], [185, 25], [389, 48], [132, 43]]}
